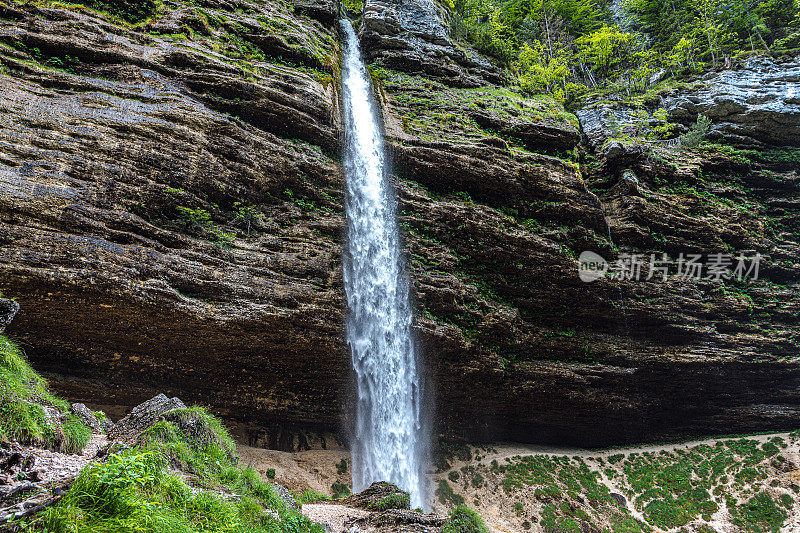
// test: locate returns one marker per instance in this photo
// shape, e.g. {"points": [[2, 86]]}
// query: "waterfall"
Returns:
{"points": [[389, 439]]}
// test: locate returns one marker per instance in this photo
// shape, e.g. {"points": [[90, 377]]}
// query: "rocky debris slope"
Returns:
{"points": [[172, 216], [757, 104], [32, 479]]}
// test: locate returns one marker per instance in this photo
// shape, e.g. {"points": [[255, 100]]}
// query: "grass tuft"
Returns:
{"points": [[29, 413]]}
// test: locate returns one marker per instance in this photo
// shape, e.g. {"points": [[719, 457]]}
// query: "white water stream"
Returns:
{"points": [[389, 441]]}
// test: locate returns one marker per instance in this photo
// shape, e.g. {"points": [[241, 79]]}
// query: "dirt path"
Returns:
{"points": [[56, 466], [332, 517], [501, 452]]}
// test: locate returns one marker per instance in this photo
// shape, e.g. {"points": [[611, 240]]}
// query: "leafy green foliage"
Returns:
{"points": [[538, 71], [697, 133], [354, 7], [716, 29], [339, 490], [564, 47], [464, 520], [245, 216], [24, 398], [199, 222]]}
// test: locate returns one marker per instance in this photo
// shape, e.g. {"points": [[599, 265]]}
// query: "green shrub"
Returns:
{"points": [[271, 473], [464, 520], [697, 133], [393, 501], [446, 495], [341, 467], [194, 221], [340, 490], [758, 515], [354, 7]]}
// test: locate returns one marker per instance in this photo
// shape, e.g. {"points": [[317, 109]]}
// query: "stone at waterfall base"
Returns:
{"points": [[367, 512]]}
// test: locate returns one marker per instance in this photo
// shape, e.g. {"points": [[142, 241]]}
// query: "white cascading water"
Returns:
{"points": [[389, 440]]}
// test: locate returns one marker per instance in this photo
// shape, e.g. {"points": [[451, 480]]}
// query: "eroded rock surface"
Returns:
{"points": [[380, 508], [757, 104]]}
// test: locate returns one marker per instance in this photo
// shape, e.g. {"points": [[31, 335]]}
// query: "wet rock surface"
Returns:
{"points": [[380, 508]]}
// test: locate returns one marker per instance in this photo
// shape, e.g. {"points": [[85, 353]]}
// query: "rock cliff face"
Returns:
{"points": [[413, 36], [756, 105], [172, 219]]}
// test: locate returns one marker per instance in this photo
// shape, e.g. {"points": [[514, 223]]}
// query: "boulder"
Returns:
{"points": [[602, 122], [757, 104], [142, 417], [8, 310], [369, 498], [397, 521], [86, 416]]}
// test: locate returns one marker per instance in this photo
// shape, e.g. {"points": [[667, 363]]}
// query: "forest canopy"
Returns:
{"points": [[565, 47]]}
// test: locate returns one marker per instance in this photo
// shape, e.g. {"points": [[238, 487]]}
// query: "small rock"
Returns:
{"points": [[628, 183], [14, 460], [657, 77]]}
